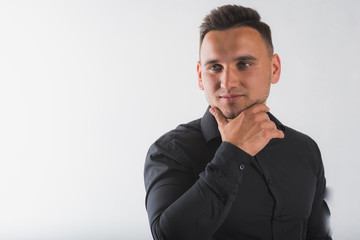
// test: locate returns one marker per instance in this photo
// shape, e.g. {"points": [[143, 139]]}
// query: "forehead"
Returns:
{"points": [[233, 42]]}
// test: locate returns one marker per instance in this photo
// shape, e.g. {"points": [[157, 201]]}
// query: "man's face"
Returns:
{"points": [[235, 69]]}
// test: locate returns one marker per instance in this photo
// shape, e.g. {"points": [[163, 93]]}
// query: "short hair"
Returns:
{"points": [[233, 16]]}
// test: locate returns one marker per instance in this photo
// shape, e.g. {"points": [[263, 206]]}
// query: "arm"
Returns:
{"points": [[318, 222], [181, 207]]}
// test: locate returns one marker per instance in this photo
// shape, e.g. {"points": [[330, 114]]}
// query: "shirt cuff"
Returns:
{"points": [[225, 172], [231, 161]]}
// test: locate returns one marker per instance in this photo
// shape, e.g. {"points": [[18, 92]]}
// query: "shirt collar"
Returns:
{"points": [[210, 129], [209, 126]]}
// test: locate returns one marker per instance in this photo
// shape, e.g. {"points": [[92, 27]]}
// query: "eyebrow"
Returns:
{"points": [[211, 62], [246, 58], [241, 58]]}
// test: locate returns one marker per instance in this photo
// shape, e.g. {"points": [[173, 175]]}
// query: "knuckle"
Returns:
{"points": [[268, 133], [257, 117], [265, 124], [264, 134], [252, 117], [262, 124]]}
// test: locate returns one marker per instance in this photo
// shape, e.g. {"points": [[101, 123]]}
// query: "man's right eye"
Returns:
{"points": [[216, 68]]}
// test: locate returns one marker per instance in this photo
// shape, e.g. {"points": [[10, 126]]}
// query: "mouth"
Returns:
{"points": [[230, 98]]}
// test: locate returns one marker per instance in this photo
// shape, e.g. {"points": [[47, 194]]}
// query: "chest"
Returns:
{"points": [[272, 191]]}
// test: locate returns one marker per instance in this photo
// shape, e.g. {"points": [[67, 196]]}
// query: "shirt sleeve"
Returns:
{"points": [[183, 206], [318, 223]]}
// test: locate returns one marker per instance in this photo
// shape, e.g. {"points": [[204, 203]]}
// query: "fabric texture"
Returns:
{"points": [[198, 187]]}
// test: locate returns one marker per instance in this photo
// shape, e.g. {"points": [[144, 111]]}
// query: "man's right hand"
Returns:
{"points": [[251, 130]]}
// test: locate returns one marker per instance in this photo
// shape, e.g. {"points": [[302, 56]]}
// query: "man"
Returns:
{"points": [[237, 173]]}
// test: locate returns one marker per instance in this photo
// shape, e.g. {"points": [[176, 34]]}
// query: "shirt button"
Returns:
{"points": [[242, 167]]}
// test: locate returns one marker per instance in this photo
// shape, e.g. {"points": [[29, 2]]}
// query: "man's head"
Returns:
{"points": [[236, 64], [233, 16]]}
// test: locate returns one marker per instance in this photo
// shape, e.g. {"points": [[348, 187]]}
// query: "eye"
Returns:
{"points": [[243, 65], [216, 67]]}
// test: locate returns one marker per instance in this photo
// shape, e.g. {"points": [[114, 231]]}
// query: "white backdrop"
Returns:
{"points": [[87, 86]]}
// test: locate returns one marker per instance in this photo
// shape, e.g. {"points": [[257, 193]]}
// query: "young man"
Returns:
{"points": [[236, 173]]}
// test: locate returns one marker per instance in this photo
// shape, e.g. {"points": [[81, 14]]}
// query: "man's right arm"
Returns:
{"points": [[183, 207]]}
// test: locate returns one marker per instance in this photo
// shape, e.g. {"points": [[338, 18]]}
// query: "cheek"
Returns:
{"points": [[210, 82], [249, 80], [257, 81]]}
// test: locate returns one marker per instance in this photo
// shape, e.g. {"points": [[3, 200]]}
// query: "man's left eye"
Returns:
{"points": [[243, 65]]}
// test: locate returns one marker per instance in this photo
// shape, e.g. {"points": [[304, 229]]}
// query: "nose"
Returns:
{"points": [[227, 79]]}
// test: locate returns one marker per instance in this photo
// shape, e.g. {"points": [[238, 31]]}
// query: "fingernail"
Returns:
{"points": [[212, 111]]}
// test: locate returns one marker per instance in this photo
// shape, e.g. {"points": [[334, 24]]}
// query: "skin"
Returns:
{"points": [[235, 71]]}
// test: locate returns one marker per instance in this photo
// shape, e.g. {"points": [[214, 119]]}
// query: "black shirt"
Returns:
{"points": [[198, 187]]}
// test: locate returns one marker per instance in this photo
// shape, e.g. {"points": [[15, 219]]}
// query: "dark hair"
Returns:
{"points": [[232, 16]]}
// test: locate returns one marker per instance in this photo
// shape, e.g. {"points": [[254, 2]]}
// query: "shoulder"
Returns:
{"points": [[181, 143], [165, 158], [299, 139], [303, 146], [295, 140], [176, 150], [183, 135]]}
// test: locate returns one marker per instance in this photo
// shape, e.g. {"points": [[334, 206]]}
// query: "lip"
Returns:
{"points": [[230, 98]]}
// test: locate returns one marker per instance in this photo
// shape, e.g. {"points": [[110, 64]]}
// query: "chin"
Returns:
{"points": [[231, 114]]}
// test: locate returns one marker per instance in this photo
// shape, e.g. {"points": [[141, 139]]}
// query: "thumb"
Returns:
{"points": [[219, 116]]}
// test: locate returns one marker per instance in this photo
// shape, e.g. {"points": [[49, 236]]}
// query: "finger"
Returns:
{"points": [[263, 128], [266, 123], [278, 134], [219, 116], [260, 117], [266, 130], [273, 131]]}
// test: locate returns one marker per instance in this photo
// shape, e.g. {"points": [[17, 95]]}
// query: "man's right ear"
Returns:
{"points": [[198, 69]]}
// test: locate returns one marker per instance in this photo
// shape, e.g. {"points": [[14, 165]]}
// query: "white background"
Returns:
{"points": [[87, 86]]}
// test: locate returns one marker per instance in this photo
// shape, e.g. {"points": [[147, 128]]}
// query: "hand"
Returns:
{"points": [[251, 130]]}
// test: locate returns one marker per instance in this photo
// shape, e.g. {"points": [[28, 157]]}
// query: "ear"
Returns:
{"points": [[275, 69], [198, 69]]}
